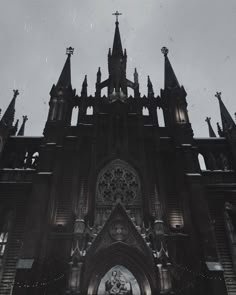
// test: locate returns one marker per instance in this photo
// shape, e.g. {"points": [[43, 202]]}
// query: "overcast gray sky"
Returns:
{"points": [[200, 35]]}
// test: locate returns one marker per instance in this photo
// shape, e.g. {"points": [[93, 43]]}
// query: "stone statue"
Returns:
{"points": [[117, 284]]}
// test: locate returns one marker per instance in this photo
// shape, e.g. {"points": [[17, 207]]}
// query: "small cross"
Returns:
{"points": [[218, 95], [25, 118], [208, 119], [69, 51], [165, 50], [116, 14], [16, 92]]}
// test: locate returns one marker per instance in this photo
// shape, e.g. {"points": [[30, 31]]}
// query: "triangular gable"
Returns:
{"points": [[119, 229]]}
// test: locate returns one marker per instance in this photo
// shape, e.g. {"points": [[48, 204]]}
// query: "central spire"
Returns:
{"points": [[117, 46], [117, 85]]}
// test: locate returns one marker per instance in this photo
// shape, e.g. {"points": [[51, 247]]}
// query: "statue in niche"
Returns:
{"points": [[117, 284]]}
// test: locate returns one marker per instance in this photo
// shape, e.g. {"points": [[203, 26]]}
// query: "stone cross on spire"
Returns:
{"points": [[165, 50], [218, 95], [69, 51], [117, 15], [16, 93]]}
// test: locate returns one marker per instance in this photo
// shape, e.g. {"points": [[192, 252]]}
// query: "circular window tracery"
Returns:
{"points": [[118, 183]]}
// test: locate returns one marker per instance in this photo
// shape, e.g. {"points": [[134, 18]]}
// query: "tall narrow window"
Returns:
{"points": [[202, 162], [160, 117], [145, 111], [53, 109], [74, 116], [89, 111], [180, 113]]}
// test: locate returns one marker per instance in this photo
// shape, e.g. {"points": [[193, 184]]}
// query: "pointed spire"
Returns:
{"points": [[65, 77], [170, 78], [150, 87], [135, 76], [211, 131], [84, 87], [21, 131], [8, 117], [99, 75], [117, 46], [219, 129], [226, 119]]}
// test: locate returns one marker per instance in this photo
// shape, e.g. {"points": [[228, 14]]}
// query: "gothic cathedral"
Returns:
{"points": [[116, 203]]}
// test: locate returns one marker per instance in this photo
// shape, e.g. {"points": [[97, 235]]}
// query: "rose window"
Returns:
{"points": [[118, 183]]}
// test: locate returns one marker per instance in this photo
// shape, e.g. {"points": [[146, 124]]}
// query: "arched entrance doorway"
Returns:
{"points": [[119, 281], [131, 268]]}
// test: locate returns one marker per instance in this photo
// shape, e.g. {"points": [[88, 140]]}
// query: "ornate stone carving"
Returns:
{"points": [[118, 183], [119, 230]]}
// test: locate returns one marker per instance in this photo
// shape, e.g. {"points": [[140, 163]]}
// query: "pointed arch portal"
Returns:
{"points": [[131, 268]]}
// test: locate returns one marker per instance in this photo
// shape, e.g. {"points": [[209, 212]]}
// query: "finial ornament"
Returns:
{"points": [[25, 118], [16, 92], [69, 51], [208, 119], [165, 50], [218, 95], [117, 15]]}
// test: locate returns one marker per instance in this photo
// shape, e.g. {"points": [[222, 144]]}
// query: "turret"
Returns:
{"points": [[228, 128], [228, 124], [60, 105], [117, 84], [175, 104]]}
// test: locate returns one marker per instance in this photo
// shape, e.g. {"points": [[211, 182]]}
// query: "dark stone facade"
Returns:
{"points": [[117, 193]]}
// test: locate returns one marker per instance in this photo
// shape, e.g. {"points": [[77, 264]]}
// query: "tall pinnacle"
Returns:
{"points": [[22, 127], [117, 46], [150, 87], [211, 131], [8, 117], [65, 77], [227, 121], [170, 77], [117, 82]]}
